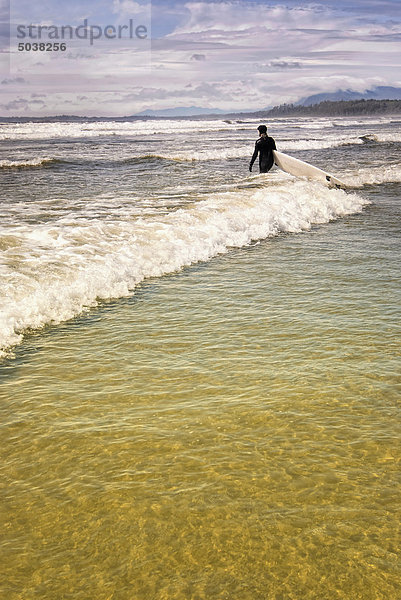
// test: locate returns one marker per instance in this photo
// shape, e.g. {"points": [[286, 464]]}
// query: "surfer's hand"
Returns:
{"points": [[250, 168]]}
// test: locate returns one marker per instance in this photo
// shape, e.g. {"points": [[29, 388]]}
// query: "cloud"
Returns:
{"points": [[240, 54], [12, 80], [128, 7], [198, 57], [215, 18], [203, 91], [17, 104], [283, 64]]}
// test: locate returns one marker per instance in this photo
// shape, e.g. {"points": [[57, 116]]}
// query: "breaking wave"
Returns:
{"points": [[55, 271], [373, 176], [25, 164]]}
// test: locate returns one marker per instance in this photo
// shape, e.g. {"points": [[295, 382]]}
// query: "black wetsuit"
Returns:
{"points": [[264, 146]]}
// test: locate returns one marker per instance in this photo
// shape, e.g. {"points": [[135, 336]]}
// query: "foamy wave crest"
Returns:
{"points": [[207, 154], [53, 272], [374, 176], [20, 164], [61, 129], [246, 150], [197, 155], [317, 144], [380, 138], [388, 137], [331, 141]]}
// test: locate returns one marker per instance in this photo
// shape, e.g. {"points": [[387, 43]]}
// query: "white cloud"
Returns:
{"points": [[229, 55], [239, 17], [130, 8]]}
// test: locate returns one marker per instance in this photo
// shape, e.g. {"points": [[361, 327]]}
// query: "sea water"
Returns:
{"points": [[199, 378]]}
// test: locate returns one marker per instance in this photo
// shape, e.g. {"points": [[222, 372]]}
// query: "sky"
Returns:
{"points": [[232, 55]]}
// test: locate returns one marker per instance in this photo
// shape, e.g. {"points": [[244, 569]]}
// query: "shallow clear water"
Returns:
{"points": [[229, 430]]}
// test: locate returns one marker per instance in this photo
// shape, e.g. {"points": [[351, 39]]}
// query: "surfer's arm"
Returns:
{"points": [[254, 156]]}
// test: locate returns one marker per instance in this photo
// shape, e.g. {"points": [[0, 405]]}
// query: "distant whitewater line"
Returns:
{"points": [[60, 129], [9, 131], [73, 264]]}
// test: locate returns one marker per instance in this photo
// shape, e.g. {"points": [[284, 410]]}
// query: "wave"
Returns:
{"points": [[150, 127], [382, 138], [369, 138], [318, 144], [373, 176], [25, 164], [354, 179], [243, 151], [46, 131], [194, 155], [218, 152], [152, 158], [74, 264], [337, 142], [284, 145]]}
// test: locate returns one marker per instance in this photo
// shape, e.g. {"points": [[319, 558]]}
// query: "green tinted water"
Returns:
{"points": [[230, 432]]}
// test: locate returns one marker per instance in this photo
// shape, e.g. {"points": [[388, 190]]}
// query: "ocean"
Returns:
{"points": [[200, 366]]}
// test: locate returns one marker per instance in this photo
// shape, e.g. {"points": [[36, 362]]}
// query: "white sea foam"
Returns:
{"points": [[150, 127], [394, 136], [373, 176], [284, 145], [29, 162], [54, 271], [335, 141], [219, 152], [208, 154], [318, 144], [245, 150], [55, 130], [322, 123]]}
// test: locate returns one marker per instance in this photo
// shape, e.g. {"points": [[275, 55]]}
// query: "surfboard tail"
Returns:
{"points": [[299, 168]]}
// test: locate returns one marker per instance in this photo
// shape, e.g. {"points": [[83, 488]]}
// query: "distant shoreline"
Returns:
{"points": [[327, 108]]}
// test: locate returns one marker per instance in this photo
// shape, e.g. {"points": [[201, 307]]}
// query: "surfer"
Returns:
{"points": [[264, 146]]}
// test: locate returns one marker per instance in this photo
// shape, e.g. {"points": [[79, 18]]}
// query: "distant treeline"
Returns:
{"points": [[339, 108]]}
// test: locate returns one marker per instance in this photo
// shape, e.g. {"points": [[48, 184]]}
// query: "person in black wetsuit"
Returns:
{"points": [[264, 146]]}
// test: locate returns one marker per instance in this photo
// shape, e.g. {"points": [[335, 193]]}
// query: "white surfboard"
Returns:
{"points": [[296, 167]]}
